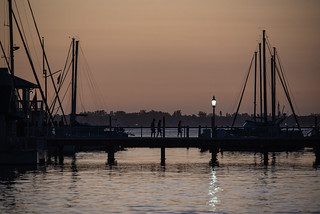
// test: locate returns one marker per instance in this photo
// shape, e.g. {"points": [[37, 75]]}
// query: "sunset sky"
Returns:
{"points": [[169, 55]]}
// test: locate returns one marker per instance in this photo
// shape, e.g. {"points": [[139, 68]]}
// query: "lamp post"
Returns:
{"points": [[213, 124]]}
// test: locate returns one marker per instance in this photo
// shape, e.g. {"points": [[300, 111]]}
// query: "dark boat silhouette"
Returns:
{"points": [[262, 126]]}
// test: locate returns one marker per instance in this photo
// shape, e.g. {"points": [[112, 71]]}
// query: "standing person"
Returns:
{"points": [[159, 129], [153, 128], [179, 129]]}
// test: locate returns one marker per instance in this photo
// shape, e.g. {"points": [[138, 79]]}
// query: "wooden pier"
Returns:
{"points": [[213, 145]]}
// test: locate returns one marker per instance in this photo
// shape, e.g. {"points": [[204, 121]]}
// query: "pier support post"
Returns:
{"points": [[163, 156], [60, 154], [199, 131], [273, 160], [316, 150], [265, 158], [111, 160], [49, 161], [214, 160]]}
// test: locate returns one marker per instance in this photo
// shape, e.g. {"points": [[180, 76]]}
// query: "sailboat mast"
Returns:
{"points": [[265, 115], [75, 45], [273, 85], [75, 81], [11, 38], [255, 87], [72, 116], [272, 93], [45, 80], [260, 75]]}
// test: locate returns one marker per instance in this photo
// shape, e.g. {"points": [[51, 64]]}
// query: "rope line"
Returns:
{"points": [[235, 117]]}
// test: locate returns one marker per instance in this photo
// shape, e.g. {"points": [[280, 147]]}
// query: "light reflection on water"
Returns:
{"points": [[138, 184], [213, 190]]}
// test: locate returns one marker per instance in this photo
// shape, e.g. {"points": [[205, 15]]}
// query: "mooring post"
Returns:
{"points": [[163, 156], [199, 131]]}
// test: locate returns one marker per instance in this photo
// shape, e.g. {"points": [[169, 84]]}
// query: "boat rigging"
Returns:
{"points": [[276, 70]]}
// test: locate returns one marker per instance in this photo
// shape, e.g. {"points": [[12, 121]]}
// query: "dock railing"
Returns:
{"points": [[145, 132], [127, 131]]}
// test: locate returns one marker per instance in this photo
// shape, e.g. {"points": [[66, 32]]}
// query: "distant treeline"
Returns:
{"points": [[144, 118]]}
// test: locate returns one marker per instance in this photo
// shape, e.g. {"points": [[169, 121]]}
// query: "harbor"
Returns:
{"points": [[32, 134], [159, 106]]}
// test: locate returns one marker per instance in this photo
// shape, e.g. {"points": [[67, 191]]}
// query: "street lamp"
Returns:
{"points": [[214, 102], [213, 124]]}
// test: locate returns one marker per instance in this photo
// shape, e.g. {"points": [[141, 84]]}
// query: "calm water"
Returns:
{"points": [[241, 184]]}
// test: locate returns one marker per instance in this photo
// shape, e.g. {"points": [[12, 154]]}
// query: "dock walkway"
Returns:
{"points": [[214, 145]]}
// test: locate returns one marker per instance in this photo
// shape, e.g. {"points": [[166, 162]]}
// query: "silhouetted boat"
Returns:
{"points": [[261, 126], [75, 128], [18, 113]]}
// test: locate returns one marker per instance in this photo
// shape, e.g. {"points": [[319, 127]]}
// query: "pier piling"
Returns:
{"points": [[60, 154], [163, 156], [316, 150], [265, 158], [111, 151], [214, 160]]}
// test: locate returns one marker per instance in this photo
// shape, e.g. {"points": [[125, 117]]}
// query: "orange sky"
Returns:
{"points": [[171, 55]]}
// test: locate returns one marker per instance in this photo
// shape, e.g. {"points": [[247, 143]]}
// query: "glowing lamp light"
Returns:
{"points": [[214, 101]]}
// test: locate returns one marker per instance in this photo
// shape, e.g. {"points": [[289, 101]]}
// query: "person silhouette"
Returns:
{"points": [[153, 128], [179, 129], [159, 129]]}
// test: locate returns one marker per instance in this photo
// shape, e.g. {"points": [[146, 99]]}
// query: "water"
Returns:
{"points": [[138, 184]]}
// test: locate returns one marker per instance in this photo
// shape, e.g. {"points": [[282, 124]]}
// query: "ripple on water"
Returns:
{"points": [[186, 185]]}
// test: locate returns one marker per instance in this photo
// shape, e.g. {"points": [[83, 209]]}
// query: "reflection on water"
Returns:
{"points": [[213, 190], [138, 184]]}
